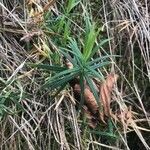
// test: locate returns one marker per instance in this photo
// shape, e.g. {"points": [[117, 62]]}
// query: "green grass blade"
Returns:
{"points": [[55, 84], [72, 4], [77, 60], [97, 60], [62, 81], [61, 78], [98, 46], [95, 74], [64, 73], [82, 92], [73, 61], [101, 64], [48, 67], [89, 42], [76, 55], [107, 134], [75, 49]]}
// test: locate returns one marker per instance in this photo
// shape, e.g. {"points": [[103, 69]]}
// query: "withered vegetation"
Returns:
{"points": [[103, 102]]}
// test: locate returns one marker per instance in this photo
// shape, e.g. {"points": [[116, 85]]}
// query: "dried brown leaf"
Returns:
{"points": [[105, 92], [90, 100]]}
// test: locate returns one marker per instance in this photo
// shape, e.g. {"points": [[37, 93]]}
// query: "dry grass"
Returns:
{"points": [[129, 22], [30, 118]]}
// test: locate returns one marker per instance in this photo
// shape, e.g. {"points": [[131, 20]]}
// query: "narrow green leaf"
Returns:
{"points": [[107, 134], [60, 79], [56, 84], [89, 41], [48, 67], [74, 62], [63, 73], [98, 46], [66, 31], [71, 5], [101, 64], [97, 60], [90, 83], [74, 47], [61, 23], [75, 54], [75, 51], [82, 91], [94, 73]]}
